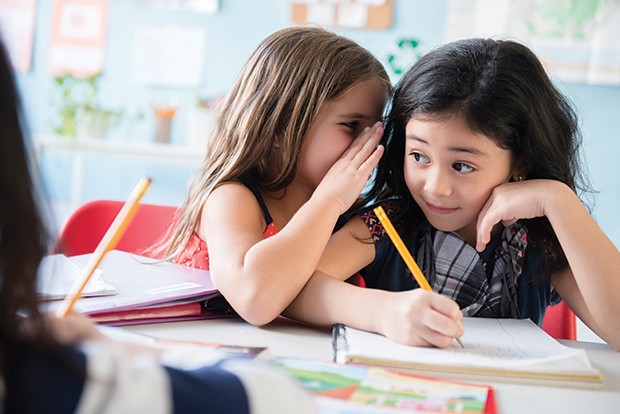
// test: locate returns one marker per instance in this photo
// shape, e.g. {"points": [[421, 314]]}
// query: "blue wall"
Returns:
{"points": [[232, 34]]}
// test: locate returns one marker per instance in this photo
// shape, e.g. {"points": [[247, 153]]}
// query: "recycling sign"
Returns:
{"points": [[404, 53]]}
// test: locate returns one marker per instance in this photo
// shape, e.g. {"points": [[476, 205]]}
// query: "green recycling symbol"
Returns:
{"points": [[405, 53]]}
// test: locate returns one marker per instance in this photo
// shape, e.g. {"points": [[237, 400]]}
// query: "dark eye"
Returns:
{"points": [[420, 158], [462, 167], [353, 125]]}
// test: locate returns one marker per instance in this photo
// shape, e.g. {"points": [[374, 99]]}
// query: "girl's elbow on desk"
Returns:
{"points": [[254, 305]]}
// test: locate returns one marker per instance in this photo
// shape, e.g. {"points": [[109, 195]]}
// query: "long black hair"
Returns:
{"points": [[24, 239], [500, 89]]}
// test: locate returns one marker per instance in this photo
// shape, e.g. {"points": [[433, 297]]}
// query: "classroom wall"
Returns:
{"points": [[232, 33]]}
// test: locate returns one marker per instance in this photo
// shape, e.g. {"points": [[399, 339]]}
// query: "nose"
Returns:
{"points": [[437, 182]]}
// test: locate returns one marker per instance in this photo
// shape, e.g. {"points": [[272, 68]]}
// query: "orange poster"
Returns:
{"points": [[78, 37]]}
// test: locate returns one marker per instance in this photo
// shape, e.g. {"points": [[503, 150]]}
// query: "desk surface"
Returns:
{"points": [[289, 339]]}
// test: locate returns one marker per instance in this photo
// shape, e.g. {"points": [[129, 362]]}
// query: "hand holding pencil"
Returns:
{"points": [[404, 253], [107, 243]]}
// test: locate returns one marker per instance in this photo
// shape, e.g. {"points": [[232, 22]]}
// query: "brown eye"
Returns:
{"points": [[462, 167]]}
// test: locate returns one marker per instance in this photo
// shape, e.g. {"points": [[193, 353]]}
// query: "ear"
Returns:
{"points": [[520, 171], [276, 142]]}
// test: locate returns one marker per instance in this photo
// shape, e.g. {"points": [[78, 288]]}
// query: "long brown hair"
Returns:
{"points": [[278, 94]]}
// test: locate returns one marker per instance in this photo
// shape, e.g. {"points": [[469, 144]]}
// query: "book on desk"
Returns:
{"points": [[375, 390], [508, 350], [142, 290]]}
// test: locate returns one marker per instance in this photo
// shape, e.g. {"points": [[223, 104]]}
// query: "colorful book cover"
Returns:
{"points": [[356, 388]]}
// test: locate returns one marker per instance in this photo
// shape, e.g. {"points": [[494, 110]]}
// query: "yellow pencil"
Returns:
{"points": [[404, 253], [107, 243]]}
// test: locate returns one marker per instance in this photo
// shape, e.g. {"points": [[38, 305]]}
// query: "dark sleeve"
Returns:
{"points": [[534, 291], [40, 382], [388, 271], [209, 389]]}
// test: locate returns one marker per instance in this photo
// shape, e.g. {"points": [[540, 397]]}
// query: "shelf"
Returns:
{"points": [[159, 153]]}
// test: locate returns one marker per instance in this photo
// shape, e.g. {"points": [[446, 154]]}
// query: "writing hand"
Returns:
{"points": [[422, 318]]}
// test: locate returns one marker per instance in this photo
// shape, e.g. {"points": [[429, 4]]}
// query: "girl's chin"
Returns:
{"points": [[443, 226]]}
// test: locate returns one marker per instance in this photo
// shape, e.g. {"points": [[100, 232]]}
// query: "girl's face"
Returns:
{"points": [[451, 171], [337, 124]]}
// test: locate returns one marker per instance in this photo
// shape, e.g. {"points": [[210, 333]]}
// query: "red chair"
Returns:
{"points": [[560, 322], [87, 225]]}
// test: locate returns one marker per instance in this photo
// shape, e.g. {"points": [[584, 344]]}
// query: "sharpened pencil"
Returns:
{"points": [[404, 253], [107, 243]]}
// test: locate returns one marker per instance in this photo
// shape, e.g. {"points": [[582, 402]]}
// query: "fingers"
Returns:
{"points": [[365, 145], [444, 322], [431, 319], [72, 329]]}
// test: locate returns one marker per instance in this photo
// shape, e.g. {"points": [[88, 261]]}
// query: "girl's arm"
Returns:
{"points": [[258, 276], [414, 317], [591, 282]]}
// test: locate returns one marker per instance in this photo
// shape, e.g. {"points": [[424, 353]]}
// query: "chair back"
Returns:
{"points": [[88, 224], [560, 322]]}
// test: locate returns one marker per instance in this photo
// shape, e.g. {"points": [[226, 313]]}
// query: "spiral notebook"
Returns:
{"points": [[508, 350]]}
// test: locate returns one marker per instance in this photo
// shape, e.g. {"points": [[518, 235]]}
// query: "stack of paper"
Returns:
{"points": [[150, 290], [57, 274]]}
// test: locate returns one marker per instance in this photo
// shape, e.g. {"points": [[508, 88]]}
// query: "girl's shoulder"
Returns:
{"points": [[235, 199], [230, 193]]}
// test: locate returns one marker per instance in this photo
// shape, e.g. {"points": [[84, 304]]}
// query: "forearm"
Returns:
{"points": [[326, 301], [275, 269], [593, 260]]}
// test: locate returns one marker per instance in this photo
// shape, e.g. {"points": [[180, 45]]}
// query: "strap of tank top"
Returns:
{"points": [[254, 189]]}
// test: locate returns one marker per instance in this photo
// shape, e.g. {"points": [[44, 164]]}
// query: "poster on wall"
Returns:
{"points": [[17, 28], [349, 14], [169, 56], [79, 30], [577, 40], [199, 6]]}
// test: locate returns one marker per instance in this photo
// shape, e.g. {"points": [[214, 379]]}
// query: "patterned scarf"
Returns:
{"points": [[455, 269]]}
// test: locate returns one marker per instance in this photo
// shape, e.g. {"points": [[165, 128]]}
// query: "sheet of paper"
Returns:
{"points": [[494, 343], [169, 55], [143, 281], [57, 275]]}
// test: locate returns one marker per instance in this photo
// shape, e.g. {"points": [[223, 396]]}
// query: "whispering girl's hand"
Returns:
{"points": [[346, 179], [514, 201]]}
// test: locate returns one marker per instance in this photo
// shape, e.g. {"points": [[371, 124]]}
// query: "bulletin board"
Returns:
{"points": [[350, 14]]}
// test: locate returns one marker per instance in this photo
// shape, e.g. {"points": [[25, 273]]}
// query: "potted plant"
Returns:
{"points": [[79, 112]]}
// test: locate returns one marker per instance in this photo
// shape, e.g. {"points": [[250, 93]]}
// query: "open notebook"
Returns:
{"points": [[495, 350]]}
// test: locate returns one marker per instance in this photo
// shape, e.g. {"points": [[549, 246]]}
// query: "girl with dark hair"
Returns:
{"points": [[480, 177], [67, 365]]}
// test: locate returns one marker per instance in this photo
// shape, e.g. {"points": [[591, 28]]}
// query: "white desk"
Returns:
{"points": [[287, 338]]}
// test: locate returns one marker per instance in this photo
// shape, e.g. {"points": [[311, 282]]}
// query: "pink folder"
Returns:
{"points": [[151, 290]]}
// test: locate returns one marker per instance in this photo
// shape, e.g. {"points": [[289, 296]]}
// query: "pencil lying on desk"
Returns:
{"points": [[107, 243], [404, 253]]}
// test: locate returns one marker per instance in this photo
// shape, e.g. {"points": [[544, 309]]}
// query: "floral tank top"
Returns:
{"points": [[196, 253]]}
